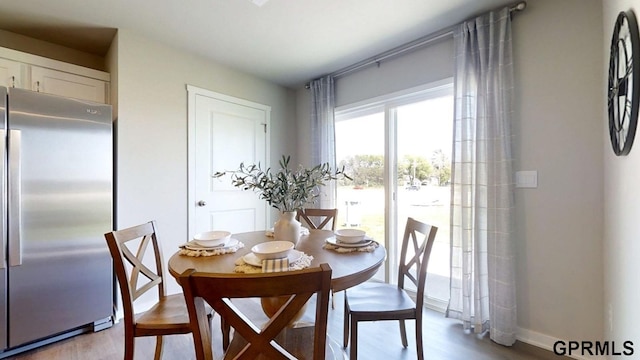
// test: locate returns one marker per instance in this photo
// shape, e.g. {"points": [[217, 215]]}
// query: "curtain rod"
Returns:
{"points": [[407, 47]]}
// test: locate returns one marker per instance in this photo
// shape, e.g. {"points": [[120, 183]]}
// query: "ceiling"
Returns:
{"points": [[288, 42]]}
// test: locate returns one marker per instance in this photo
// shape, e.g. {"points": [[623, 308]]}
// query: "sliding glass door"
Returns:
{"points": [[398, 150]]}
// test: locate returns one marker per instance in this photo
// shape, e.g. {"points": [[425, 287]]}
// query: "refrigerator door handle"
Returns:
{"points": [[15, 211], [3, 201]]}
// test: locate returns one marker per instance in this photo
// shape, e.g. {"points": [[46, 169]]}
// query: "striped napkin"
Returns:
{"points": [[242, 267], [275, 265]]}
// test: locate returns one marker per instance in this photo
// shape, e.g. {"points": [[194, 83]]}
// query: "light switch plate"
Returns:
{"points": [[527, 179]]}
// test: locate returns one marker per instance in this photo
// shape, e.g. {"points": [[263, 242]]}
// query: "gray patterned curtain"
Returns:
{"points": [[323, 137], [482, 204]]}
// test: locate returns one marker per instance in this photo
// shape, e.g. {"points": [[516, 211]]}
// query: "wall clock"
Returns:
{"points": [[624, 83]]}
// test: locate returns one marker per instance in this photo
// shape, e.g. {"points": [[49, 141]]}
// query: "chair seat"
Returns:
{"points": [[375, 298], [168, 315], [374, 301]]}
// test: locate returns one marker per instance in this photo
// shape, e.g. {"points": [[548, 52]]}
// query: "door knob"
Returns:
{"points": [[202, 203]]}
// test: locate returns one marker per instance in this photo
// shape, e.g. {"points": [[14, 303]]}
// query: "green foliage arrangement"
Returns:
{"points": [[286, 189]]}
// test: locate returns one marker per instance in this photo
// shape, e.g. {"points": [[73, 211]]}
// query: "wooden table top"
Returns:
{"points": [[349, 269]]}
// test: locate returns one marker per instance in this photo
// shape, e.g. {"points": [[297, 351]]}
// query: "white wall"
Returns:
{"points": [[420, 67], [622, 214], [152, 129], [558, 132]]}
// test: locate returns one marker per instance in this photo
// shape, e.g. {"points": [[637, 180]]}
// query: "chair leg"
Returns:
{"points": [[353, 354], [226, 329], [333, 300], [158, 355], [403, 333], [419, 338], [345, 331], [129, 346]]}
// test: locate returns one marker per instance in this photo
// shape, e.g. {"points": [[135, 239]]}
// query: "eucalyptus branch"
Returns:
{"points": [[285, 190]]}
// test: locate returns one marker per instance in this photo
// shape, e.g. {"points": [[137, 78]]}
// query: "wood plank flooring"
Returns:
{"points": [[444, 339]]}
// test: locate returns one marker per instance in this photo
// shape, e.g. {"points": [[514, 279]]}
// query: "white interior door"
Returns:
{"points": [[224, 131]]}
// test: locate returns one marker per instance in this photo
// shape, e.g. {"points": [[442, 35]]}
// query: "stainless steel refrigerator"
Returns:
{"points": [[56, 277]]}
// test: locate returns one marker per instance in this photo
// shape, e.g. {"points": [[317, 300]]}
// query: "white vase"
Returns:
{"points": [[287, 228]]}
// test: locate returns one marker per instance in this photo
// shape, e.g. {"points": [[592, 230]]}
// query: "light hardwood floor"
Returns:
{"points": [[444, 339]]}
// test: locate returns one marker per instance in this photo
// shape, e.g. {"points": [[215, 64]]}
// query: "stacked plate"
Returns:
{"points": [[252, 259], [272, 250], [350, 238], [211, 240]]}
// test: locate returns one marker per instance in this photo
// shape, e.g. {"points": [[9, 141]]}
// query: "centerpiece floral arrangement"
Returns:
{"points": [[286, 189]]}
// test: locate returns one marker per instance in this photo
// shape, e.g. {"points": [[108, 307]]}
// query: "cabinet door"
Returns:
{"points": [[10, 73], [65, 84]]}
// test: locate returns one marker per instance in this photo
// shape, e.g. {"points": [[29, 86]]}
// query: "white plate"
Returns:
{"points": [[252, 259], [333, 241], [193, 245]]}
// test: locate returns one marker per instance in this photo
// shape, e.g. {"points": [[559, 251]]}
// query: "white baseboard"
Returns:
{"points": [[546, 342], [435, 304]]}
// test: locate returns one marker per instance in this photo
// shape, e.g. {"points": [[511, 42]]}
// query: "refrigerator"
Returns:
{"points": [[56, 277]]}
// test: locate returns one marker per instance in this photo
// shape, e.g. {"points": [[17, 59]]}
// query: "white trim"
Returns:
{"points": [[192, 92], [435, 304], [212, 94], [546, 342], [433, 89], [536, 339]]}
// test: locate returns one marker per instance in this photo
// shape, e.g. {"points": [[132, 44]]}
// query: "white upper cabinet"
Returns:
{"points": [[37, 73], [69, 85], [10, 73]]}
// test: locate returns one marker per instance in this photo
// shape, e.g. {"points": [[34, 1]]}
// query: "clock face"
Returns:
{"points": [[624, 83]]}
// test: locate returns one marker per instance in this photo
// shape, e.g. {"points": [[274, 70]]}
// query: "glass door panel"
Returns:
{"points": [[360, 148], [423, 169]]}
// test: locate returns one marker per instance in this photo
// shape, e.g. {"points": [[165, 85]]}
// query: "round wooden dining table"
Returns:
{"points": [[348, 269]]}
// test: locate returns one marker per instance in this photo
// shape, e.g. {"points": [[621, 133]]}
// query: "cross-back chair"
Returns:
{"points": [[323, 217], [380, 301], [169, 315], [219, 289]]}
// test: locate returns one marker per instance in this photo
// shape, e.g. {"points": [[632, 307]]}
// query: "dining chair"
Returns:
{"points": [[323, 217], [373, 301], [218, 290], [169, 314]]}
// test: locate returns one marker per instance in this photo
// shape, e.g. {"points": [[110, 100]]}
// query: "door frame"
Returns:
{"points": [[192, 93]]}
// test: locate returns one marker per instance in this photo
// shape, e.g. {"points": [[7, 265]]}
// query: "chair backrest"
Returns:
{"points": [[219, 289], [128, 248], [414, 266], [323, 217]]}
